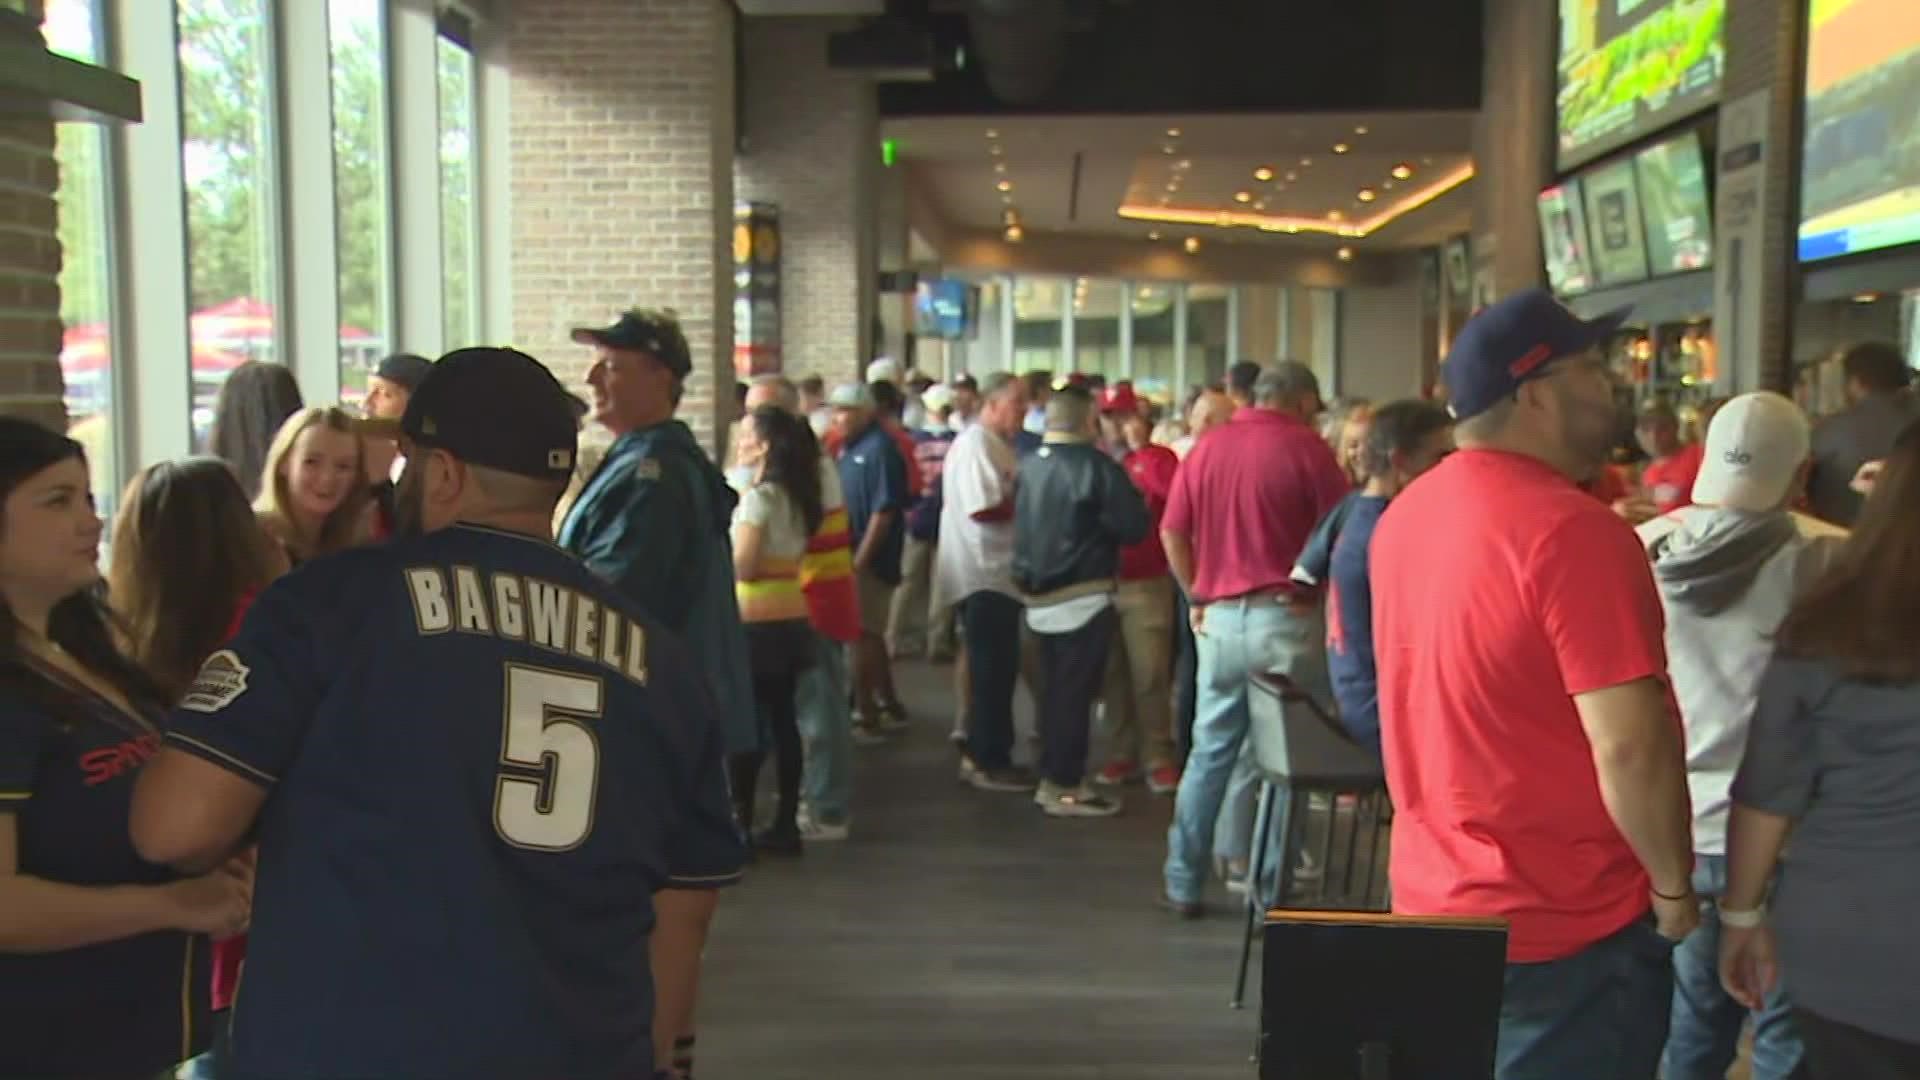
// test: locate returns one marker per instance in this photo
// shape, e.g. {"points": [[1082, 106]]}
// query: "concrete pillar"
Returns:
{"points": [[622, 130], [1517, 97], [1763, 56], [30, 384], [811, 147]]}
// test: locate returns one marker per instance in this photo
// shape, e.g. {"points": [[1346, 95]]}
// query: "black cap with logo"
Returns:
{"points": [[496, 408], [656, 333]]}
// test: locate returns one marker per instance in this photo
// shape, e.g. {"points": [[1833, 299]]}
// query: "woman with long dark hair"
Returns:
{"points": [[776, 515], [103, 957], [1832, 759], [254, 401]]}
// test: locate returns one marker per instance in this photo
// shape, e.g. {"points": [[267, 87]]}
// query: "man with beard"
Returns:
{"points": [[493, 757], [1532, 747]]}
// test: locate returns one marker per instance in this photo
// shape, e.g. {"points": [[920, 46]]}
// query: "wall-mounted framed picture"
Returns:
{"points": [[1459, 269]]}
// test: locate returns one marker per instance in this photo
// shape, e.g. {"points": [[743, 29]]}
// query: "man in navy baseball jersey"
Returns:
{"points": [[474, 771]]}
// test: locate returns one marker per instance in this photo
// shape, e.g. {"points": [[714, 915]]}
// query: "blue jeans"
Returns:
{"points": [[990, 627], [1706, 1023], [1600, 1014], [1239, 638], [826, 733], [1233, 829]]}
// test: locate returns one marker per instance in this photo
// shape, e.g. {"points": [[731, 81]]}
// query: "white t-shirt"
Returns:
{"points": [[782, 532], [973, 556]]}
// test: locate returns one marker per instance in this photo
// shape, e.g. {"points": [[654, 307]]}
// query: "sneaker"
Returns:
{"points": [[1117, 774], [779, 842], [1008, 779], [1237, 883], [1308, 869], [958, 736], [1080, 802], [893, 717], [812, 828], [1163, 780], [867, 732]]}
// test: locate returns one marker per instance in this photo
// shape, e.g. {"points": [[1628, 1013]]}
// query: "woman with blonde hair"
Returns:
{"points": [[313, 497]]}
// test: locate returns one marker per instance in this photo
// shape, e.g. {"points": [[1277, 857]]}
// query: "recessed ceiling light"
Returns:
{"points": [[1007, 199], [1165, 199], [993, 133], [1192, 245], [1341, 148], [1243, 196], [1345, 254], [1305, 161], [1183, 163], [1153, 234], [1426, 161], [999, 166], [994, 150], [1173, 133], [1368, 194], [1263, 174], [1009, 216], [1167, 148], [1292, 176], [1005, 185], [1335, 215], [1402, 171], [1015, 234], [1361, 130]]}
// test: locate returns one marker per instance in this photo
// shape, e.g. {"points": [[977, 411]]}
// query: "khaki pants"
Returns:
{"points": [[920, 622], [1138, 688]]}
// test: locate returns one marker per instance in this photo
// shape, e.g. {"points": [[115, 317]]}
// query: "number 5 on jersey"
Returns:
{"points": [[549, 776]]}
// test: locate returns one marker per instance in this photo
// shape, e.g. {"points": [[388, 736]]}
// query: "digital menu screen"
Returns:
{"points": [[1613, 219], [1563, 239], [1860, 166], [1674, 204], [1630, 67]]}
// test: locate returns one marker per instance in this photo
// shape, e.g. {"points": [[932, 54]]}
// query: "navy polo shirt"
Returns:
{"points": [[874, 477], [482, 762], [1350, 623]]}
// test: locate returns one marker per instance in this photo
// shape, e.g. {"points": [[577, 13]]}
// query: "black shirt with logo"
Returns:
{"points": [[131, 1007]]}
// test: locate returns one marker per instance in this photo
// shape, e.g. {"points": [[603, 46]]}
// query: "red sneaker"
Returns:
{"points": [[1118, 774], [1163, 780]]}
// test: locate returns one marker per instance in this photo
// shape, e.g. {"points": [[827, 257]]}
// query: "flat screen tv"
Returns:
{"points": [[1860, 166], [1630, 67], [1674, 204], [944, 308], [1613, 220], [1563, 239]]}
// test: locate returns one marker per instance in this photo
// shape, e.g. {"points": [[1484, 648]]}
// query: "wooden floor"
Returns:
{"points": [[962, 935]]}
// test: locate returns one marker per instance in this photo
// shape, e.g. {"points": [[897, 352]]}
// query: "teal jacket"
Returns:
{"points": [[653, 519]]}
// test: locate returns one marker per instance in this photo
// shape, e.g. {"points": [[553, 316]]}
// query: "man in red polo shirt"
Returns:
{"points": [[1241, 508], [1533, 751]]}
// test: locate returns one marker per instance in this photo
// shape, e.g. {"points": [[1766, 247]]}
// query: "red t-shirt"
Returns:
{"points": [[1668, 482], [1500, 591], [1609, 485], [1152, 468], [1247, 497]]}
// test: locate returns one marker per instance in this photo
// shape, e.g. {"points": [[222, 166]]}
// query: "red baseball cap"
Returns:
{"points": [[1119, 398]]}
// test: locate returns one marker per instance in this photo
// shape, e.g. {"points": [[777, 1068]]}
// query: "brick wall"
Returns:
{"points": [[30, 384], [622, 171], [811, 148]]}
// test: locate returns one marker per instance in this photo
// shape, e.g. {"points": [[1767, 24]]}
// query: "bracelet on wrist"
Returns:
{"points": [[1736, 919], [1684, 894]]}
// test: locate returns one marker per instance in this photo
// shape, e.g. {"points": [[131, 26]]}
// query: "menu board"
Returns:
{"points": [[1613, 220], [1860, 165], [1563, 239], [1630, 67], [1673, 200]]}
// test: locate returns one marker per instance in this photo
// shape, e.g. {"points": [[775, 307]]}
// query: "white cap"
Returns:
{"points": [[851, 396], [937, 397], [885, 369], [1755, 445]]}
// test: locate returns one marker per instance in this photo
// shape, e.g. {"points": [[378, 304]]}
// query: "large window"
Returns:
{"points": [[359, 188], [1154, 313], [1098, 304], [226, 150], [456, 193], [1208, 312], [1038, 304], [86, 276]]}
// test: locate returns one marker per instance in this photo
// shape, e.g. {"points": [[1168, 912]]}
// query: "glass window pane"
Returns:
{"points": [[1207, 333], [456, 193], [1153, 369], [1096, 327], [227, 154], [1037, 307], [359, 188], [86, 363]]}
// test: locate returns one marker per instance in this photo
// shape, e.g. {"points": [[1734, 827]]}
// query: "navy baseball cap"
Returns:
{"points": [[497, 408], [1515, 339], [656, 333]]}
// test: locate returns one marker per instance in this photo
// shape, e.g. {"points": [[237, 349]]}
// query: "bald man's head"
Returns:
{"points": [[1209, 410], [772, 389]]}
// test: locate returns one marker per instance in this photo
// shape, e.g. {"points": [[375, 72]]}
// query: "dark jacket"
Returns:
{"points": [[1074, 509]]}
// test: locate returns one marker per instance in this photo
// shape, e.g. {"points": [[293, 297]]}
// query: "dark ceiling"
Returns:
{"points": [[1198, 56]]}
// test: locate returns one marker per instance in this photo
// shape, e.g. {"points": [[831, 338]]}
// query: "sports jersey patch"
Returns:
{"points": [[222, 679], [647, 468]]}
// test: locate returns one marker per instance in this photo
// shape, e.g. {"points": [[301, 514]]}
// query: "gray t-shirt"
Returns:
{"points": [[1842, 759]]}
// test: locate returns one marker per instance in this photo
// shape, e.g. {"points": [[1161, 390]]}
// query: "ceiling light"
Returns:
{"points": [[1192, 245], [1173, 133], [1146, 292], [1345, 254], [1261, 205], [1015, 234], [1009, 216], [1243, 196], [1335, 215], [1007, 199], [994, 149], [999, 166], [1167, 148], [1402, 171], [1005, 185], [1263, 174], [1164, 200], [1292, 176], [1293, 229], [1386, 185], [1361, 130], [1866, 298], [1153, 234], [1368, 194], [993, 133], [1183, 163], [1305, 161], [1341, 148]]}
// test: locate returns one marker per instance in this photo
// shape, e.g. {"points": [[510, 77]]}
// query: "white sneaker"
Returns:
{"points": [[815, 831], [1082, 802]]}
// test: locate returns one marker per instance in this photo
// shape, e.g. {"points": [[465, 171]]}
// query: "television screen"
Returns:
{"points": [[1563, 237], [1860, 178], [943, 308], [1613, 219], [1628, 67], [1673, 200]]}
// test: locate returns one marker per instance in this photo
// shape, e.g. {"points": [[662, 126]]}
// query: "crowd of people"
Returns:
{"points": [[245, 761]]}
